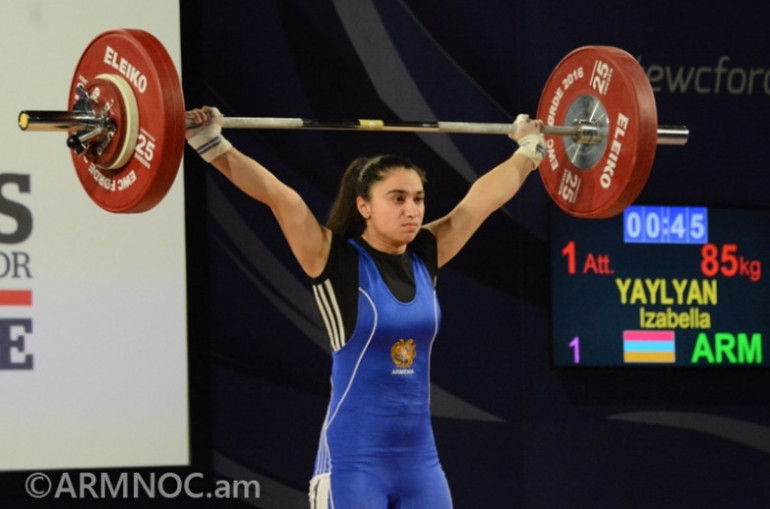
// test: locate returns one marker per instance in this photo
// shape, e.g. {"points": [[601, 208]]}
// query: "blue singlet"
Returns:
{"points": [[377, 449]]}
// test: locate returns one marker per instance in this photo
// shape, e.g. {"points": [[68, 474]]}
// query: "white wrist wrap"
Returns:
{"points": [[209, 142], [533, 147]]}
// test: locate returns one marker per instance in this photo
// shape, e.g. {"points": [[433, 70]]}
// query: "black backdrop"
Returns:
{"points": [[512, 430]]}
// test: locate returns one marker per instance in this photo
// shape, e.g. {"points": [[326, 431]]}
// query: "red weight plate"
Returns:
{"points": [[141, 60], [597, 181]]}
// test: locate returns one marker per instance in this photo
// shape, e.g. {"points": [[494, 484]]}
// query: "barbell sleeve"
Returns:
{"points": [[56, 120]]}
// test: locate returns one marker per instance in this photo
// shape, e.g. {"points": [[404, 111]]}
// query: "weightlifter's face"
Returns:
{"points": [[395, 210]]}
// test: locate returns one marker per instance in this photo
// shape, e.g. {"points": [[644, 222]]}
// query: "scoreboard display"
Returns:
{"points": [[661, 286]]}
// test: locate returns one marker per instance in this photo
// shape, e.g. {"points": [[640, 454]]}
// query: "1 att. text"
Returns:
{"points": [[592, 264]]}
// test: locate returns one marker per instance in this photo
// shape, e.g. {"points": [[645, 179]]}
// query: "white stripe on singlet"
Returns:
{"points": [[321, 490], [330, 313], [360, 356]]}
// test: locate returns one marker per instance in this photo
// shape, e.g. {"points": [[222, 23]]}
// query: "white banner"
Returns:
{"points": [[93, 327]]}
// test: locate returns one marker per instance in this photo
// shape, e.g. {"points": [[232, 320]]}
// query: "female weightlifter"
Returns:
{"points": [[372, 268]]}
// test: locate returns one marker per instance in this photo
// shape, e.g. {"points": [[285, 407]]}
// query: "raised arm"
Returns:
{"points": [[490, 191], [308, 239]]}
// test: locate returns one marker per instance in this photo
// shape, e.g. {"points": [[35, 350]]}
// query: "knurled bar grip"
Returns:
{"points": [[667, 135]]}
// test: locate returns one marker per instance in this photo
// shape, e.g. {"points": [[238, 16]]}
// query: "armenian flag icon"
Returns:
{"points": [[649, 346]]}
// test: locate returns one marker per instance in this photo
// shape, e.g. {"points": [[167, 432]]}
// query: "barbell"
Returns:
{"points": [[126, 125]]}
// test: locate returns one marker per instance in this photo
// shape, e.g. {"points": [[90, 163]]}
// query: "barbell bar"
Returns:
{"points": [[126, 124], [581, 133]]}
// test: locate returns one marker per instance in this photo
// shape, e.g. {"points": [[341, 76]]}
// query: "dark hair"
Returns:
{"points": [[361, 174]]}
